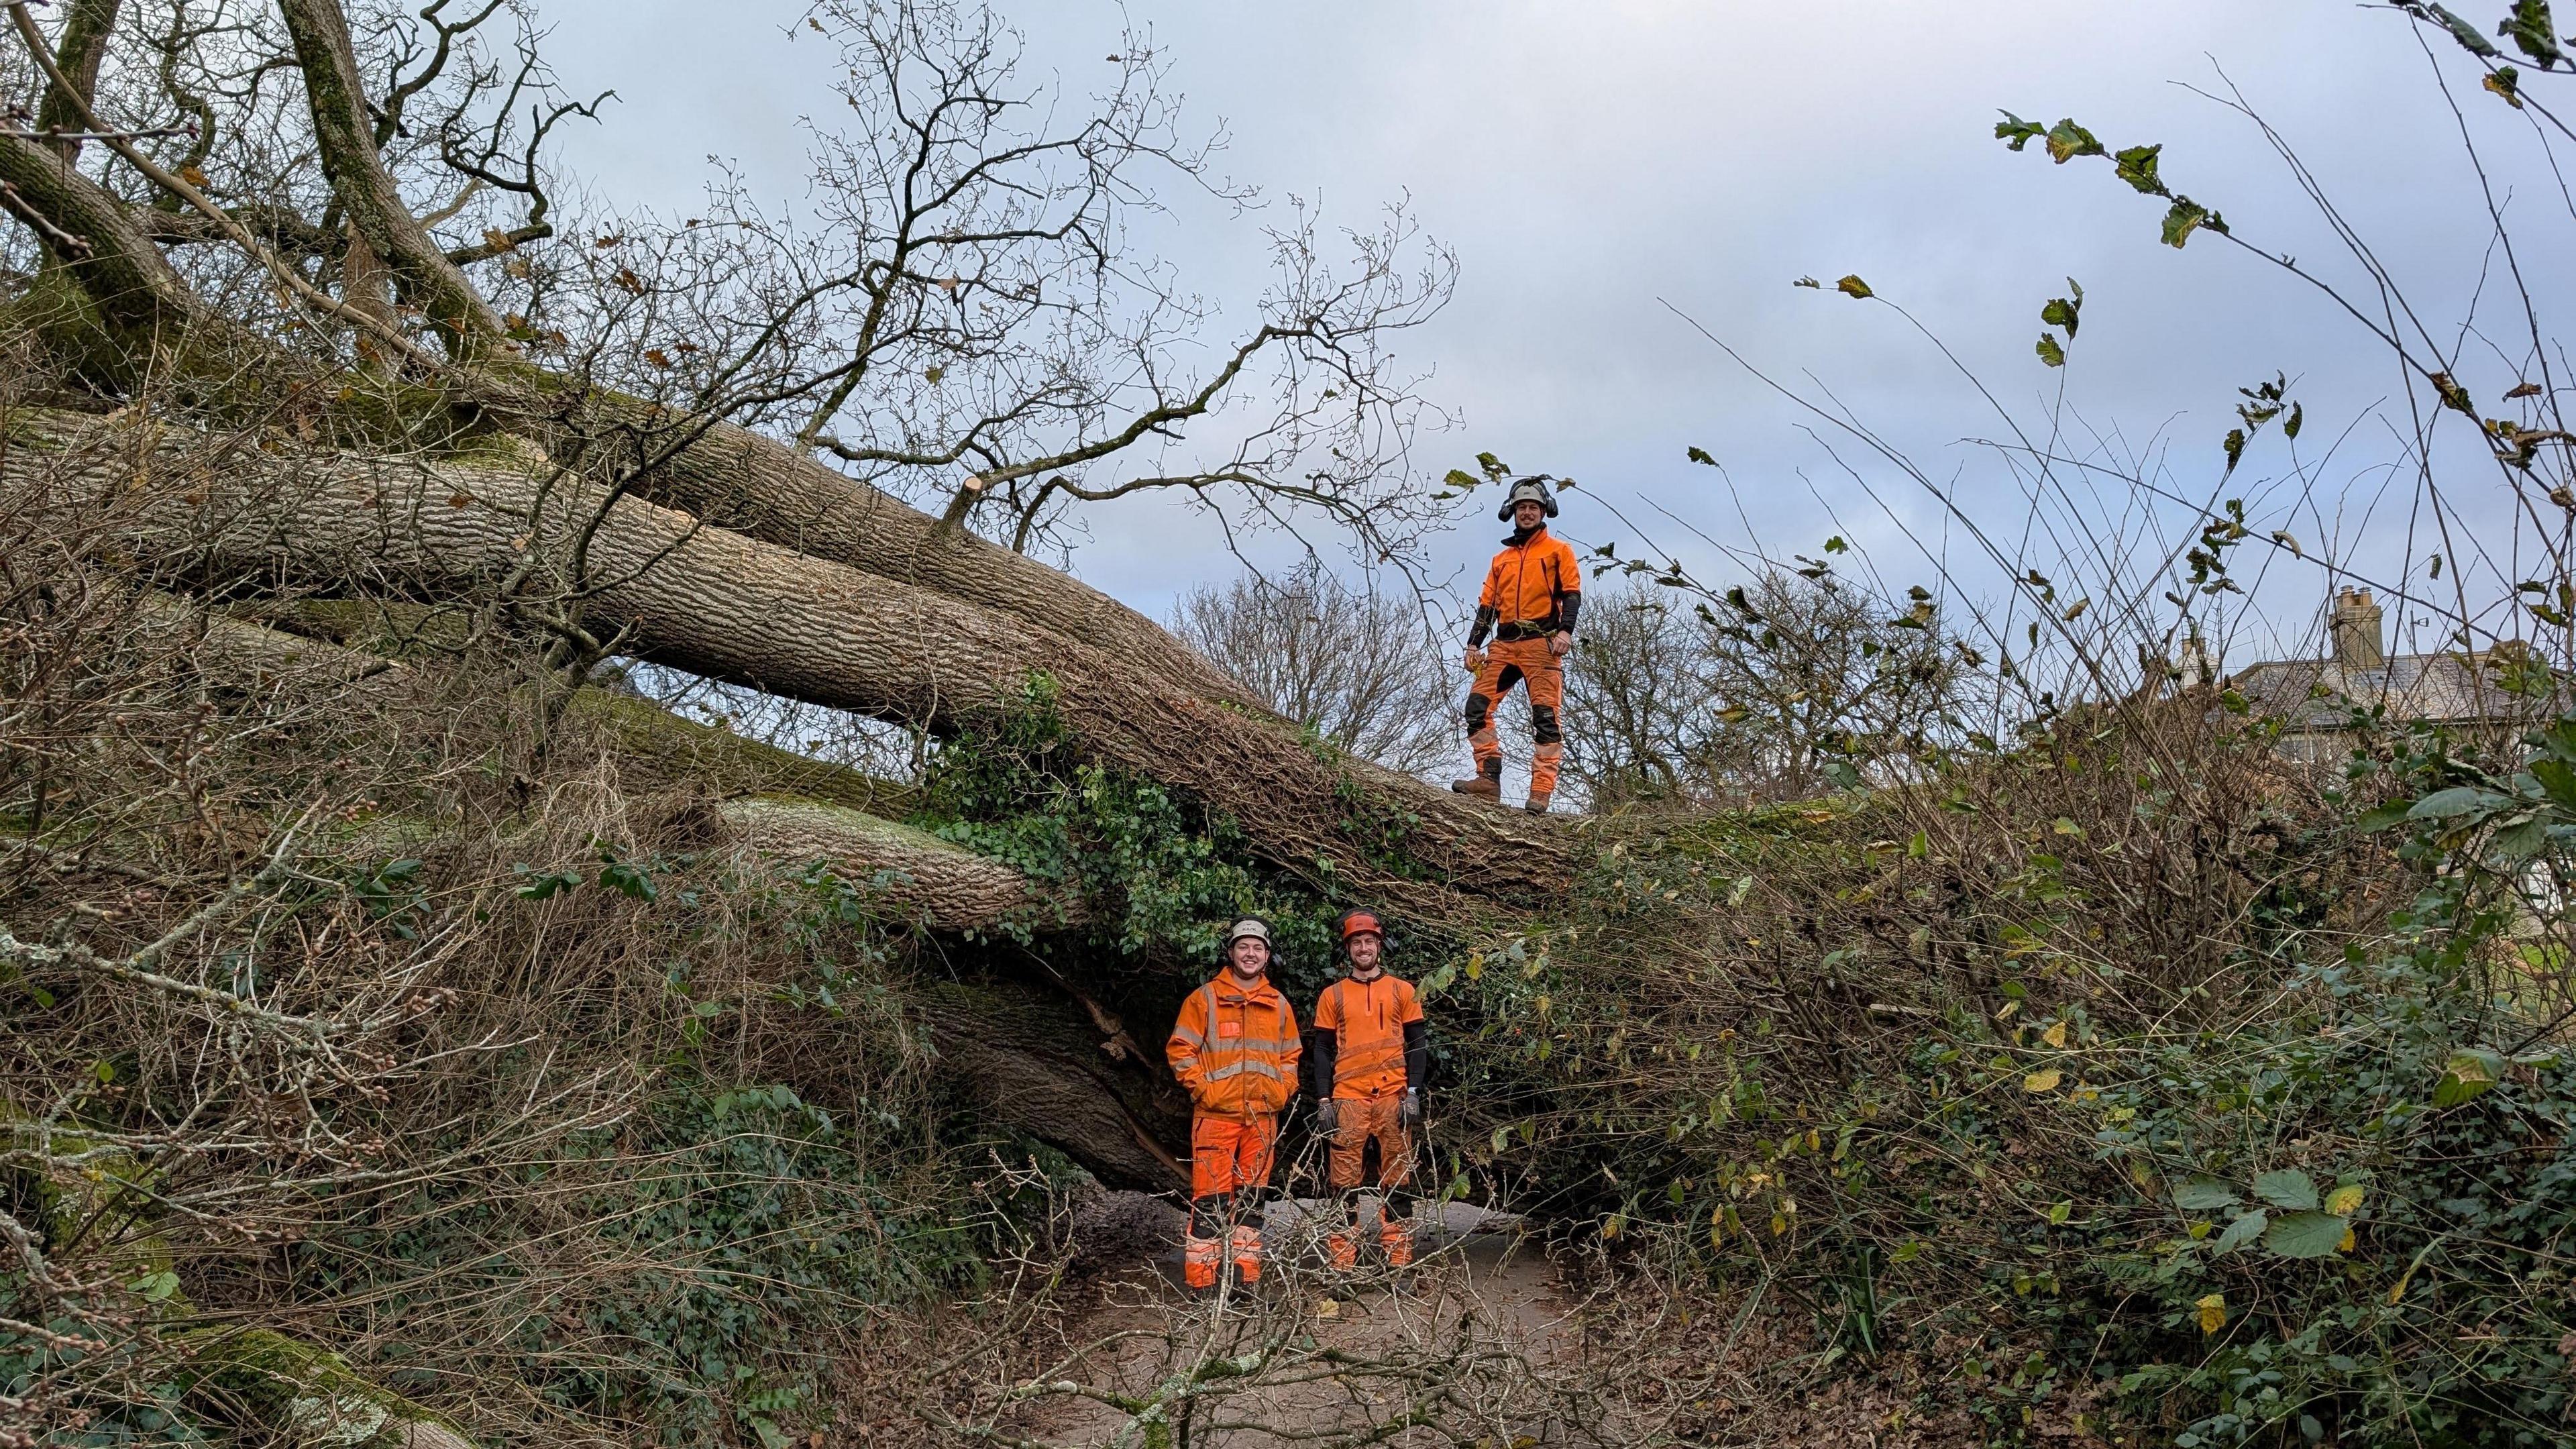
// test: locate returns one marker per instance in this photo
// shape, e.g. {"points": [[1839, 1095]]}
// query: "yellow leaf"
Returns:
{"points": [[2042, 1081], [1475, 964], [1779, 1224], [2346, 1245], [2009, 1008], [2213, 1313], [2344, 1201], [2055, 1036], [1327, 1308]]}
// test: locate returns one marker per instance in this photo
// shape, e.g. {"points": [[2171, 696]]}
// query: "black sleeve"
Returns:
{"points": [[1485, 617], [1417, 1056], [1567, 606], [1320, 1052]]}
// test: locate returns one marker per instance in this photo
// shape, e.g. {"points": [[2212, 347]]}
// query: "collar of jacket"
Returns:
{"points": [[1260, 992], [1515, 539]]}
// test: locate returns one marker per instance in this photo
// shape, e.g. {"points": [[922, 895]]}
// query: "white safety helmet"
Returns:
{"points": [[1532, 489]]}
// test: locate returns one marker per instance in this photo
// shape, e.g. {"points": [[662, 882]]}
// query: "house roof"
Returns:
{"points": [[2319, 694]]}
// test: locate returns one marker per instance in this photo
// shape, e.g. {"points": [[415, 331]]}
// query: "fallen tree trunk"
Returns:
{"points": [[738, 480], [729, 607], [1036, 1065], [932, 883]]}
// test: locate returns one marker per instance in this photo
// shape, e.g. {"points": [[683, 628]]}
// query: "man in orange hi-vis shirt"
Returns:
{"points": [[1532, 593], [1235, 1049], [1371, 1056]]}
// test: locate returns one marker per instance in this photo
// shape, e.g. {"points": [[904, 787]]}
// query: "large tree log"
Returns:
{"points": [[739, 480], [932, 883], [729, 607], [926, 879], [1038, 1066]]}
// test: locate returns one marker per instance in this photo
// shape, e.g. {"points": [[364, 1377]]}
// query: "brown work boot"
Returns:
{"points": [[1486, 783], [1537, 804]]}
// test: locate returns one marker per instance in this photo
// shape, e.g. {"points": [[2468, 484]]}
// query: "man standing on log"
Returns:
{"points": [[1371, 1055], [1235, 1049], [1532, 593]]}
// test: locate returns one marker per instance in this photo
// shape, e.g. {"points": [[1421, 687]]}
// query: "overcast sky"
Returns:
{"points": [[1592, 163]]}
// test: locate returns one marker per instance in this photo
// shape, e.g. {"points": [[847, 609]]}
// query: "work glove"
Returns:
{"points": [[1328, 1115], [1560, 644], [1475, 660], [1409, 1111]]}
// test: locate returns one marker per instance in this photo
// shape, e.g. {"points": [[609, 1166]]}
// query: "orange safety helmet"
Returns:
{"points": [[1361, 923]]}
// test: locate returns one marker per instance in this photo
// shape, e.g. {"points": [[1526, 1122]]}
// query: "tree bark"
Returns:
{"points": [[729, 607], [741, 481], [928, 881], [359, 181], [1033, 1062]]}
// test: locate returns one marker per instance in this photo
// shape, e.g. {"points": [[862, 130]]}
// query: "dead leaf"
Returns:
{"points": [[2213, 1313], [2055, 1036], [2043, 1081]]}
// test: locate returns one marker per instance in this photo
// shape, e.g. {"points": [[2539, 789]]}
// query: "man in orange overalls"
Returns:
{"points": [[1371, 1056], [1235, 1049], [1532, 593]]}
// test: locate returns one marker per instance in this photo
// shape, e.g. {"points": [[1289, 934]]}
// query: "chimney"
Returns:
{"points": [[2357, 640], [2196, 665]]}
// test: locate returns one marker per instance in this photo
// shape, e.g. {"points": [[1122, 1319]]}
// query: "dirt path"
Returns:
{"points": [[1475, 1340]]}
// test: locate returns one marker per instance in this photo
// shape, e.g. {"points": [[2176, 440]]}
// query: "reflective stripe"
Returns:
{"points": [[1183, 1033], [1232, 1069]]}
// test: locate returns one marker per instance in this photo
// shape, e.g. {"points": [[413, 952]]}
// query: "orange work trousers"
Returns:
{"points": [[1365, 1120], [1507, 664], [1230, 1153]]}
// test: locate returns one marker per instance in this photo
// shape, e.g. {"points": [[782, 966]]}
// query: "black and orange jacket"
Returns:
{"points": [[1369, 1039], [1531, 588], [1235, 1048]]}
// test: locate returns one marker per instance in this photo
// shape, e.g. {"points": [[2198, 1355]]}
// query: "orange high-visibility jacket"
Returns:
{"points": [[1367, 1020], [1236, 1049], [1527, 578]]}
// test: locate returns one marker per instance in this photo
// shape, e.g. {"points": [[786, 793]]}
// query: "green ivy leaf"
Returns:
{"points": [[1700, 455], [2306, 1235], [2049, 351], [1854, 287], [2235, 446]]}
